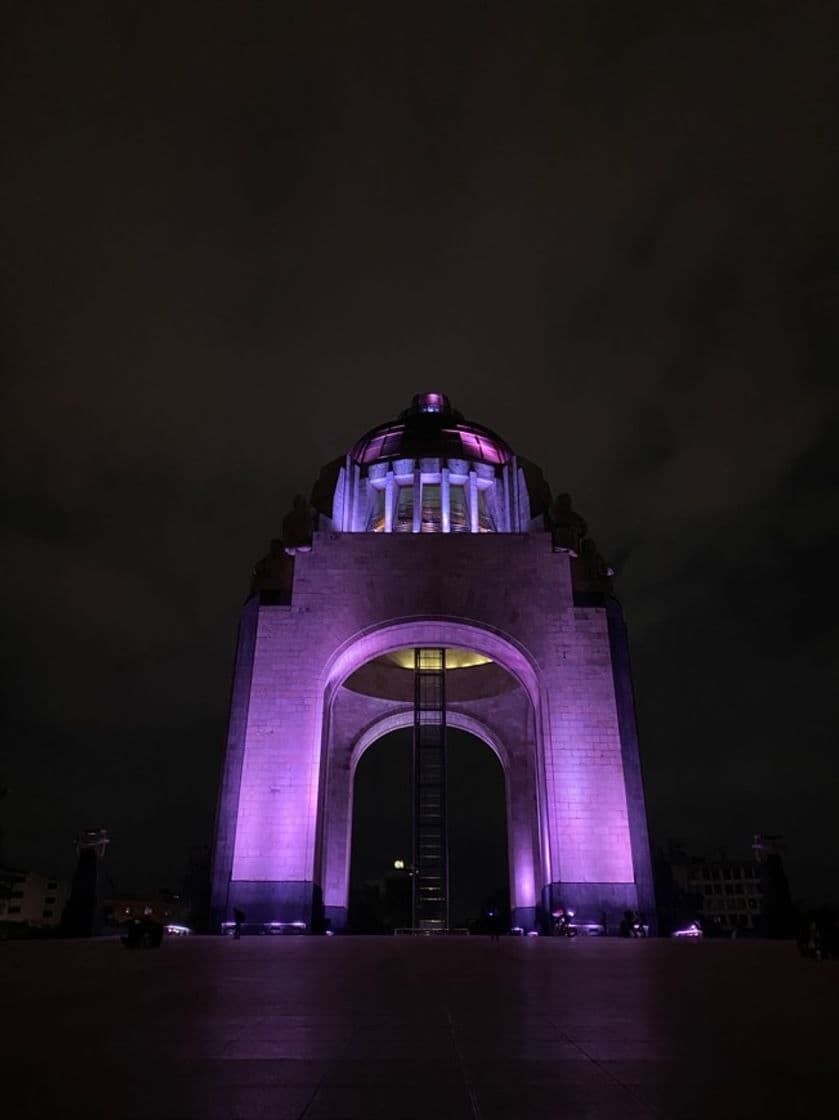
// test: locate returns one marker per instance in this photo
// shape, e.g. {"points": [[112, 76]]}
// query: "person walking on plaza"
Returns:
{"points": [[238, 922]]}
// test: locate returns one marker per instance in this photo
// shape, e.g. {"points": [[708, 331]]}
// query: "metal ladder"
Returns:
{"points": [[431, 860]]}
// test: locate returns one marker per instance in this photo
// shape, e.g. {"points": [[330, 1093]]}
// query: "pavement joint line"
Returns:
{"points": [[474, 1103], [311, 1099], [645, 1105]]}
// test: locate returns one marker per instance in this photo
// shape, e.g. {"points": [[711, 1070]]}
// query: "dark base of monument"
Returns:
{"points": [[524, 918], [593, 902], [270, 906], [335, 918], [266, 904]]}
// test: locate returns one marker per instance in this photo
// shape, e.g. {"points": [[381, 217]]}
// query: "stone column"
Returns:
{"points": [[390, 489], [474, 522], [417, 526]]}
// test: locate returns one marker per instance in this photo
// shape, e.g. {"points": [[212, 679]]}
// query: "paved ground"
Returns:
{"points": [[361, 1028]]}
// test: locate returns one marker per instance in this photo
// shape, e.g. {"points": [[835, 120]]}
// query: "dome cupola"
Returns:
{"points": [[428, 471], [431, 428]]}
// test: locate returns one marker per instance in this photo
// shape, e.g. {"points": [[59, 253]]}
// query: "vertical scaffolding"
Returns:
{"points": [[431, 859]]}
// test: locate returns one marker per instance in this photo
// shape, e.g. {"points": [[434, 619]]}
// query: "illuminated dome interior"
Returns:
{"points": [[455, 658], [472, 676]]}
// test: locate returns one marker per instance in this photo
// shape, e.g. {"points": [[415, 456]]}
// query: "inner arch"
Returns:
{"points": [[405, 718], [381, 831]]}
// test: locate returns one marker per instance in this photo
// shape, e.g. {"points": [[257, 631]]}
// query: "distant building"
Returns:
{"points": [[779, 916], [725, 894], [31, 898], [730, 891]]}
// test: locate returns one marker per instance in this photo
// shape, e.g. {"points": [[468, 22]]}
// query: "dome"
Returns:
{"points": [[431, 429], [430, 471]]}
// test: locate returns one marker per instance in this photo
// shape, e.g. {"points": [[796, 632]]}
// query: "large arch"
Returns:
{"points": [[522, 767]]}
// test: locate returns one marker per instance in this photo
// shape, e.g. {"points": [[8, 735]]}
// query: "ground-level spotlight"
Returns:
{"points": [[692, 930]]}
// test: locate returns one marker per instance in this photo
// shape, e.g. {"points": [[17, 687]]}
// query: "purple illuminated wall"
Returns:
{"points": [[565, 735]]}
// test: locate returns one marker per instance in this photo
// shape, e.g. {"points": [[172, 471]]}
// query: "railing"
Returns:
{"points": [[407, 931]]}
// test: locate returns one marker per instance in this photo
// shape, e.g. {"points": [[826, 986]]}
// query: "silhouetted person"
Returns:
{"points": [[152, 933], [143, 933], [238, 922], [603, 922], [625, 928], [813, 942], [494, 924], [133, 938]]}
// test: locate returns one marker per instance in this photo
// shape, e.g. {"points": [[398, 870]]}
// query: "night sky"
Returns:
{"points": [[236, 236]]}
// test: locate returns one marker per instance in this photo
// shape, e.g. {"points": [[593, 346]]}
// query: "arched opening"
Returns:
{"points": [[380, 893], [494, 694]]}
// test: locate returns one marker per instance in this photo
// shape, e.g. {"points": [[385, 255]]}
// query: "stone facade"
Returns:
{"points": [[564, 729]]}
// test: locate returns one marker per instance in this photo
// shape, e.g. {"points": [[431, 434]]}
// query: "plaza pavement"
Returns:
{"points": [[301, 1028]]}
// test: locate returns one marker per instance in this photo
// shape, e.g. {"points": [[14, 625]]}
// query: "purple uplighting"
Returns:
{"points": [[363, 592], [693, 930]]}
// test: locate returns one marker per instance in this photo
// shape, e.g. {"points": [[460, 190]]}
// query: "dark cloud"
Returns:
{"points": [[236, 238]]}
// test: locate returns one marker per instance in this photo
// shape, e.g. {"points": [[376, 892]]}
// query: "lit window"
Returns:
{"points": [[405, 510], [431, 521], [376, 523], [485, 524], [458, 519]]}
